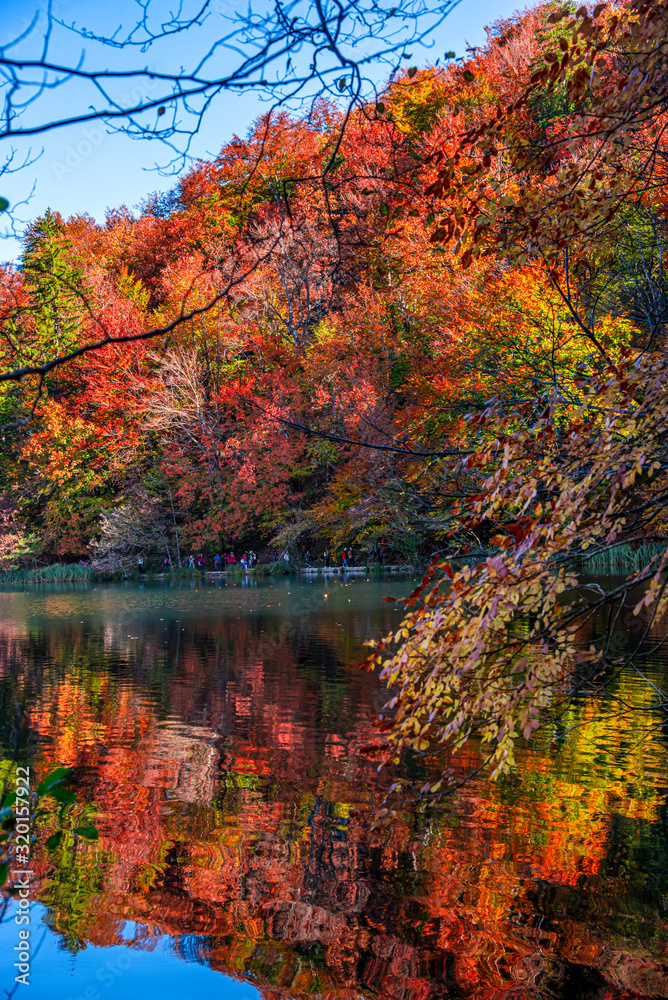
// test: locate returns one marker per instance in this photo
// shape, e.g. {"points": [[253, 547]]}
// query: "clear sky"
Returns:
{"points": [[86, 169]]}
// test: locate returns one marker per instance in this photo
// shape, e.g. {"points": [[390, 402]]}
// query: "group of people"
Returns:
{"points": [[346, 558], [199, 563], [249, 559]]}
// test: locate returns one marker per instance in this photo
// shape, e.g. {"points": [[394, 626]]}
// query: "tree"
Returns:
{"points": [[131, 528], [566, 476], [134, 80], [434, 320]]}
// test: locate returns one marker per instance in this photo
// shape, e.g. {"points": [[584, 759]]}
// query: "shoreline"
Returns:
{"points": [[301, 571]]}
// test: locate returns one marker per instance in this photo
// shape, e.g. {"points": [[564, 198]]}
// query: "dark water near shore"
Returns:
{"points": [[226, 739]]}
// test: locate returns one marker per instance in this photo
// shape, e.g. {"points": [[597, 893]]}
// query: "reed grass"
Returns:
{"points": [[618, 561], [621, 560], [57, 573]]}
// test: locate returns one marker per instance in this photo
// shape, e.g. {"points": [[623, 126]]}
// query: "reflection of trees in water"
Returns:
{"points": [[226, 760]]}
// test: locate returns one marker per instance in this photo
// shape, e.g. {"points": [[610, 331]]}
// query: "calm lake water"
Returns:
{"points": [[225, 737]]}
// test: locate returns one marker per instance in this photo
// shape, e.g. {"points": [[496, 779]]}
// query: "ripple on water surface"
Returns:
{"points": [[227, 741]]}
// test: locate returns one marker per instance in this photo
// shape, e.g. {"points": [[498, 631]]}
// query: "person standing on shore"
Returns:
{"points": [[326, 557], [344, 561]]}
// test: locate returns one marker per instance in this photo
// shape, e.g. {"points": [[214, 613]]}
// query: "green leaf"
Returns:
{"points": [[384, 210], [56, 777], [468, 76], [88, 832], [4, 204], [62, 795], [449, 55], [412, 71], [53, 841], [8, 799], [380, 108], [4, 872]]}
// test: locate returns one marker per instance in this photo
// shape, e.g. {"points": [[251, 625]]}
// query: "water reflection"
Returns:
{"points": [[227, 739]]}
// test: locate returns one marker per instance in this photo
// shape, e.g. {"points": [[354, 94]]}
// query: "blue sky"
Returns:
{"points": [[86, 169]]}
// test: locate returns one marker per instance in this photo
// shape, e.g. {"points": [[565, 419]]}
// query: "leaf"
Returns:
{"points": [[468, 76], [412, 71], [380, 108], [4, 204], [4, 872], [64, 795], [53, 841], [55, 777], [88, 832], [161, 111]]}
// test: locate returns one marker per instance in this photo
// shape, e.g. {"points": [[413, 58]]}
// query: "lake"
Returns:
{"points": [[225, 737]]}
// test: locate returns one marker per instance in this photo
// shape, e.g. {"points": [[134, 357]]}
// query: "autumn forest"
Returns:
{"points": [[323, 346]]}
